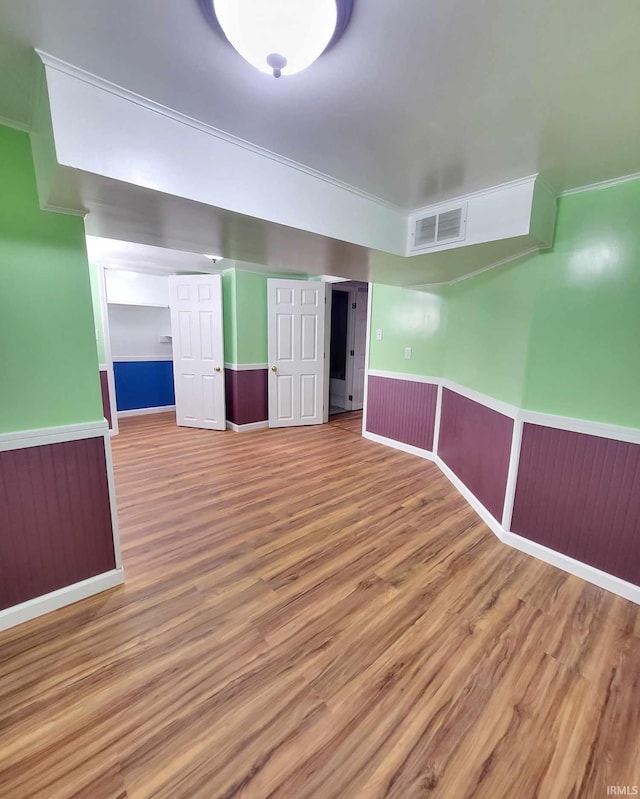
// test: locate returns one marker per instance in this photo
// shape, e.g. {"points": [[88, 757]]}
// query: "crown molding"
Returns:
{"points": [[603, 184], [503, 262], [463, 198], [15, 124], [61, 209], [59, 65]]}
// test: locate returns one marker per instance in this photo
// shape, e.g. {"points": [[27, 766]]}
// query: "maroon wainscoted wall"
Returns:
{"points": [[404, 410], [580, 495], [106, 401], [55, 518], [475, 443], [246, 395]]}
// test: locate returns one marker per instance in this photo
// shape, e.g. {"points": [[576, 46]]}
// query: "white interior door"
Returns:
{"points": [[359, 349], [296, 312], [198, 350]]}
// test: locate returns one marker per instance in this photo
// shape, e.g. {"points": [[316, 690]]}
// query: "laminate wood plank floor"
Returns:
{"points": [[351, 421], [310, 614]]}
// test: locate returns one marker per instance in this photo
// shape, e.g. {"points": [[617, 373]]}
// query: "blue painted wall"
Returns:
{"points": [[143, 384]]}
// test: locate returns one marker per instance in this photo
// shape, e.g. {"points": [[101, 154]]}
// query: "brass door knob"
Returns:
{"points": [[274, 368], [217, 369]]}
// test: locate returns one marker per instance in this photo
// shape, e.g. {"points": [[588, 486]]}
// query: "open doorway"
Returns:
{"points": [[347, 346]]}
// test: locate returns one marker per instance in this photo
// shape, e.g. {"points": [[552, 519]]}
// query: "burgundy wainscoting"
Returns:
{"points": [[475, 443], [55, 518], [580, 495], [246, 395], [106, 400], [404, 410]]}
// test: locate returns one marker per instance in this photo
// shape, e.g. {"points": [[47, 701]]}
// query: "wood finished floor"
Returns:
{"points": [[309, 614]]}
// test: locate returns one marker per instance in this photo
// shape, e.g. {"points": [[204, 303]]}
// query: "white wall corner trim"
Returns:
{"points": [[37, 437], [146, 411], [391, 442], [438, 416], [33, 608], [113, 505], [512, 475], [244, 428]]}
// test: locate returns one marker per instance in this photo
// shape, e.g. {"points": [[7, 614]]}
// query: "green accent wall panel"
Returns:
{"points": [[251, 309], [97, 312], [48, 358], [407, 319], [229, 316], [584, 351], [488, 331]]}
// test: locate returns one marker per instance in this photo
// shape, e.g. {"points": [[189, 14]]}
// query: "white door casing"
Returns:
{"points": [[360, 349], [296, 326], [198, 350]]}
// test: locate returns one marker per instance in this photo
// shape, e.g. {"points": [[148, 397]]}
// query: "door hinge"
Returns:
{"points": [[352, 352], [350, 397], [353, 305]]}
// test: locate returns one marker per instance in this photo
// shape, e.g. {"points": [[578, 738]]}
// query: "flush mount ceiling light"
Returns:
{"points": [[280, 37]]}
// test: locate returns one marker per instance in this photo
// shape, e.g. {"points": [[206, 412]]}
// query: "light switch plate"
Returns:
{"points": [[407, 353], [379, 334]]}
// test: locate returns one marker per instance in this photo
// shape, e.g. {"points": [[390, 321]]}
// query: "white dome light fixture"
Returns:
{"points": [[280, 37]]}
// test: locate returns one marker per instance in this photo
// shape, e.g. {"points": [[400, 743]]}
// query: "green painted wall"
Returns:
{"points": [[408, 319], [245, 315], [48, 358], [488, 331], [251, 307], [557, 332], [229, 316], [97, 312], [584, 352]]}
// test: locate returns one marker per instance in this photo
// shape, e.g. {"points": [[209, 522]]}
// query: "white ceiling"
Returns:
{"points": [[150, 259], [420, 101]]}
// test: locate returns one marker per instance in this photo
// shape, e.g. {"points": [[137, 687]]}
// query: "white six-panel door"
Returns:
{"points": [[296, 313], [198, 350]]}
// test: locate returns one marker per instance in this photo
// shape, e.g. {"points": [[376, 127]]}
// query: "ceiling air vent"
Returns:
{"points": [[425, 232], [449, 224], [443, 228]]}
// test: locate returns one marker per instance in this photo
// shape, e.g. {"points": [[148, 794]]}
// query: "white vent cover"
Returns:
{"points": [[442, 228]]}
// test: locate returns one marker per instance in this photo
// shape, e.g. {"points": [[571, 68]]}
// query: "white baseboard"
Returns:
{"points": [[576, 567], [492, 523], [588, 573], [146, 411], [390, 442], [243, 428], [33, 608]]}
